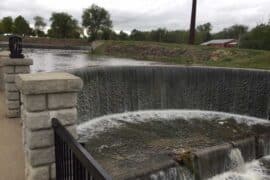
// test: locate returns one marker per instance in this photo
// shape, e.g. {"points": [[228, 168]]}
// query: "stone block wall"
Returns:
{"points": [[45, 96], [3, 55], [11, 68], [1, 76]]}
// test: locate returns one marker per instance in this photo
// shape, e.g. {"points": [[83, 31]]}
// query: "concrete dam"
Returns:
{"points": [[109, 90], [141, 122]]}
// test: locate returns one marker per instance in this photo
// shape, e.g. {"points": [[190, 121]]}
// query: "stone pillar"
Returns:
{"points": [[45, 96], [12, 67], [1, 76]]}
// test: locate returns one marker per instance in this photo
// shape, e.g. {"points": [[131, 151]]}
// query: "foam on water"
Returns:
{"points": [[174, 173], [251, 171], [98, 125], [236, 160]]}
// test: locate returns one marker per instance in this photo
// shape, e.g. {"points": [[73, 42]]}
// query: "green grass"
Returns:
{"points": [[186, 54]]}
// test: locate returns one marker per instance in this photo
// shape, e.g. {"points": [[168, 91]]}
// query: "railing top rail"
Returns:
{"points": [[80, 152]]}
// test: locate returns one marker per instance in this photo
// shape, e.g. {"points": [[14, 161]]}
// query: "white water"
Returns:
{"points": [[241, 171], [98, 125], [175, 173], [236, 160]]}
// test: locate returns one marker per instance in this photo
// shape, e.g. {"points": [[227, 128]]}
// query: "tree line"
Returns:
{"points": [[97, 24], [95, 19]]}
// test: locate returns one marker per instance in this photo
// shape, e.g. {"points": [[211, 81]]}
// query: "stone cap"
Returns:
{"points": [[42, 83], [16, 62], [4, 53]]}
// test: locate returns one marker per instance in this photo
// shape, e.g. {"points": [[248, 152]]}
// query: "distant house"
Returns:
{"points": [[226, 43]]}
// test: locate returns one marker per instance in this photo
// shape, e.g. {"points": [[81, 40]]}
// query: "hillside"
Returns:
{"points": [[185, 54]]}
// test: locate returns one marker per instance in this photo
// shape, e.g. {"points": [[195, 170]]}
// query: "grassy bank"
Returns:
{"points": [[186, 54]]}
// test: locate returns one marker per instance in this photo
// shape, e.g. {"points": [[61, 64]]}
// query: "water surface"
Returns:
{"points": [[48, 60]]}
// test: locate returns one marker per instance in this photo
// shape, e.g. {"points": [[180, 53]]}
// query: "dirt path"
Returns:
{"points": [[11, 152]]}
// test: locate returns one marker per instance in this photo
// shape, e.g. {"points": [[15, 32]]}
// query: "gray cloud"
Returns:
{"points": [[149, 14]]}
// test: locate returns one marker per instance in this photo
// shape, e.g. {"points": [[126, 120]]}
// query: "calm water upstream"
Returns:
{"points": [[46, 60]]}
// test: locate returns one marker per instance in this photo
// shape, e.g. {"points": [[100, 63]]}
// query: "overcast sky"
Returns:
{"points": [[149, 14]]}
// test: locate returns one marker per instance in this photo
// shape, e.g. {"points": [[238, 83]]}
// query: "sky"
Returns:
{"points": [[149, 14]]}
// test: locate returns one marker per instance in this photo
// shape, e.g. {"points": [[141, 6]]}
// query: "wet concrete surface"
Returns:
{"points": [[132, 149]]}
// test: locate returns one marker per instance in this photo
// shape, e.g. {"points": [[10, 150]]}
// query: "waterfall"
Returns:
{"points": [[236, 160], [175, 173], [241, 171]]}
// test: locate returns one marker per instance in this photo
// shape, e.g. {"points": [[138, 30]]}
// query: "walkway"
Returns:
{"points": [[11, 151]]}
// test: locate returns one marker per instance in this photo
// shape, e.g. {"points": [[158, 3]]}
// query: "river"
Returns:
{"points": [[47, 60]]}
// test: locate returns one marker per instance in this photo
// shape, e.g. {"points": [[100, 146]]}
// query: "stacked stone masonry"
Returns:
{"points": [[45, 96], [3, 55], [11, 68]]}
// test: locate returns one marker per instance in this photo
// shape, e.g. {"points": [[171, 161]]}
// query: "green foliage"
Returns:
{"points": [[39, 23], [96, 19], [7, 24], [207, 27], [137, 35], [233, 32], [203, 32], [186, 54], [63, 26], [123, 36], [257, 38], [39, 26], [1, 28], [21, 26]]}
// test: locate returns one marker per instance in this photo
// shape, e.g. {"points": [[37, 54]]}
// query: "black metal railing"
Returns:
{"points": [[73, 162]]}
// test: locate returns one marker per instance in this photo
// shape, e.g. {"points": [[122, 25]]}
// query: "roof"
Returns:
{"points": [[218, 41]]}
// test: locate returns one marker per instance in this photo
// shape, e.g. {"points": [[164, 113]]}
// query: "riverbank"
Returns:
{"points": [[50, 43], [185, 54]]}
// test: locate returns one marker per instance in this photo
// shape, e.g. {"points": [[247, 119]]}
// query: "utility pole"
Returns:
{"points": [[193, 22]]}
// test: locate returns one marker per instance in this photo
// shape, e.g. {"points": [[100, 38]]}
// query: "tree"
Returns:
{"points": [[96, 19], [21, 26], [39, 26], [257, 38], [1, 28], [207, 27], [158, 35], [234, 32], [123, 35], [63, 26], [137, 35], [7, 24], [203, 32]]}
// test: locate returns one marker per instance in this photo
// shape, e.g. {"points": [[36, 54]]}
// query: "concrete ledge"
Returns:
{"points": [[4, 54], [42, 83], [17, 62], [211, 161]]}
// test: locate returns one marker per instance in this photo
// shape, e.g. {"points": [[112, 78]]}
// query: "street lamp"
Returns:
{"points": [[193, 23]]}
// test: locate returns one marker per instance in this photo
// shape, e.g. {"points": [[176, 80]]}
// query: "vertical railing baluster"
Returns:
{"points": [[71, 159]]}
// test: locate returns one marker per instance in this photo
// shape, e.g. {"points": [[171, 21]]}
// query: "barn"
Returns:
{"points": [[225, 43]]}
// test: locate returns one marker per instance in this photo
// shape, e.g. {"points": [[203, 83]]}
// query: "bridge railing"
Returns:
{"points": [[73, 161]]}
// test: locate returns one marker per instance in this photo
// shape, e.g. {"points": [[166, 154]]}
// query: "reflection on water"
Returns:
{"points": [[58, 60]]}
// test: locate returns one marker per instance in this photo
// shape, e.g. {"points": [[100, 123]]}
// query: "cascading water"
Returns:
{"points": [[255, 170], [175, 173], [236, 160], [251, 171], [147, 137]]}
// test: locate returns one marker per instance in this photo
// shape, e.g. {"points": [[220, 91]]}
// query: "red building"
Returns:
{"points": [[223, 43]]}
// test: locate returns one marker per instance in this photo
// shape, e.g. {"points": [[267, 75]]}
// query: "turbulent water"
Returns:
{"points": [[235, 161], [99, 125], [175, 173], [255, 170]]}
